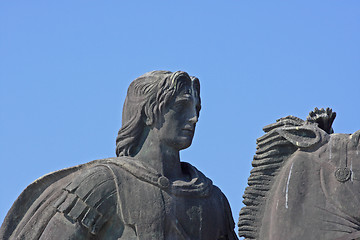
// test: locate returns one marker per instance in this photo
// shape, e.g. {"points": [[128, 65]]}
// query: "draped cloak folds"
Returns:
{"points": [[121, 198]]}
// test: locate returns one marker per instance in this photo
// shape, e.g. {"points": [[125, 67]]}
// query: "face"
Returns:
{"points": [[177, 126]]}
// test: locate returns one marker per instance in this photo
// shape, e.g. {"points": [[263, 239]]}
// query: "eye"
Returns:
{"points": [[187, 91], [180, 105]]}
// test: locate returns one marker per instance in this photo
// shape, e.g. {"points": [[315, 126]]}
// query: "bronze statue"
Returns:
{"points": [[305, 182], [143, 193]]}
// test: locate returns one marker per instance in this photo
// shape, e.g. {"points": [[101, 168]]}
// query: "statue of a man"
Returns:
{"points": [[143, 193]]}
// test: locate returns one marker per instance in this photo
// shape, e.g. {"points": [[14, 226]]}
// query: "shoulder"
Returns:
{"points": [[64, 189], [90, 198]]}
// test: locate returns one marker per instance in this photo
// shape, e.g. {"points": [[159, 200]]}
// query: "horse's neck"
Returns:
{"points": [[288, 203]]}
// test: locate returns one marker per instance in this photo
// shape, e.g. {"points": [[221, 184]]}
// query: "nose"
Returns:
{"points": [[194, 112], [194, 119]]}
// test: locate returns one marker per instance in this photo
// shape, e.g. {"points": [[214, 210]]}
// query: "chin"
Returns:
{"points": [[185, 145]]}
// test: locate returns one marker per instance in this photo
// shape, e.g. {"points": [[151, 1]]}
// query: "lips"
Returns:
{"points": [[189, 130]]}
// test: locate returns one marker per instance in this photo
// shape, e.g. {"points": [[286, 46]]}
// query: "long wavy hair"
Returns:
{"points": [[146, 99]]}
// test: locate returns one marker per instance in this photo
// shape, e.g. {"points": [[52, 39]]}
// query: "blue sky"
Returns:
{"points": [[65, 67]]}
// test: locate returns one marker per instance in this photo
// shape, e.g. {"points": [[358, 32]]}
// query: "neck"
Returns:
{"points": [[161, 157]]}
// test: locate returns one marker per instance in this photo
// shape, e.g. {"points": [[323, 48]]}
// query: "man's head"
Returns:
{"points": [[152, 101]]}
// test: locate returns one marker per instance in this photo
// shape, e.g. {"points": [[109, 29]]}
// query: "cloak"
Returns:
{"points": [[92, 194]]}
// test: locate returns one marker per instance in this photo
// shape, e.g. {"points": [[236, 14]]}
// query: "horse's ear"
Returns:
{"points": [[302, 136], [355, 138]]}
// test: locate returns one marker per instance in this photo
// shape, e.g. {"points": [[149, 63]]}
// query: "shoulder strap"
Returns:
{"points": [[91, 198]]}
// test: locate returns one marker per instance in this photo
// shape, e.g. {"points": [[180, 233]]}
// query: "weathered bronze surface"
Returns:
{"points": [[305, 183], [143, 193]]}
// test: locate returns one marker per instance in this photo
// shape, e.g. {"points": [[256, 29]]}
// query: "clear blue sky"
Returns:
{"points": [[65, 67]]}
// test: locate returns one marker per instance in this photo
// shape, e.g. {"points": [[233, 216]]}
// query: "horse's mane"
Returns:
{"points": [[272, 152]]}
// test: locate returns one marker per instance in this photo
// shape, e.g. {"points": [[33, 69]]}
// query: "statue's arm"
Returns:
{"points": [[60, 227], [87, 206]]}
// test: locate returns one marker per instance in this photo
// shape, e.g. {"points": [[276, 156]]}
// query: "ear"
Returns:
{"points": [[355, 138], [302, 136]]}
